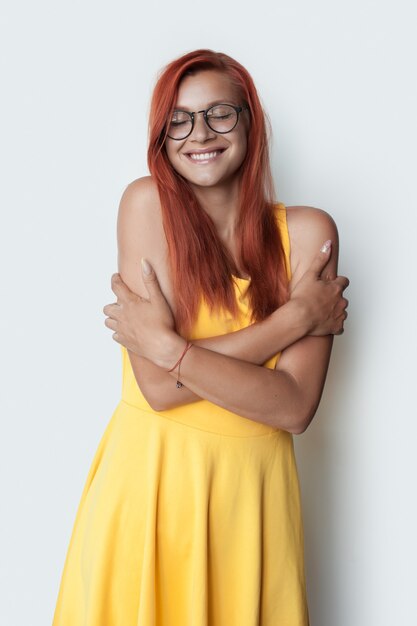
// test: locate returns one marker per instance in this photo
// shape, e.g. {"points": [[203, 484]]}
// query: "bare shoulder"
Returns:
{"points": [[308, 228], [140, 206], [143, 184], [140, 233], [307, 222], [140, 195]]}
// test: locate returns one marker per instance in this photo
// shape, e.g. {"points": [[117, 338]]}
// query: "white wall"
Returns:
{"points": [[338, 83]]}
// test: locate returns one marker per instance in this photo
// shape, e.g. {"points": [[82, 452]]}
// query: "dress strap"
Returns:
{"points": [[281, 215]]}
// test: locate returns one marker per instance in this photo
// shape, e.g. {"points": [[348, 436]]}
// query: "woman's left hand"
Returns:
{"points": [[142, 326]]}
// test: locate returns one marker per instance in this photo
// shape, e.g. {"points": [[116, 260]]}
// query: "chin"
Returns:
{"points": [[202, 180], [209, 179], [205, 182]]}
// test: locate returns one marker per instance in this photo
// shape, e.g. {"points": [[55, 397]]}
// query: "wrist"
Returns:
{"points": [[300, 316], [171, 347]]}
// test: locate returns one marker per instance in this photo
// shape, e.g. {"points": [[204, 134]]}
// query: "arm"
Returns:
{"points": [[286, 397], [140, 233], [254, 344]]}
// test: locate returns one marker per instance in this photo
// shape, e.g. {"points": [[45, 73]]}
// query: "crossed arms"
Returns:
{"points": [[227, 370]]}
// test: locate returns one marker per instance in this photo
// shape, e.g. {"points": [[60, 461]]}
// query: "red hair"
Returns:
{"points": [[200, 264]]}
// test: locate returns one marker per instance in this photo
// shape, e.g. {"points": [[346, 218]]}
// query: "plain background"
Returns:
{"points": [[338, 84]]}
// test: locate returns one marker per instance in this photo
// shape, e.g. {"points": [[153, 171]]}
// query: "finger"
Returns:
{"points": [[342, 281], [112, 324], [112, 310], [109, 309], [341, 321], [150, 279], [321, 258], [119, 287]]}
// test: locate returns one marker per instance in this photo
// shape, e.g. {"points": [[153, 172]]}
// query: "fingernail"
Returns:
{"points": [[146, 267], [326, 246]]}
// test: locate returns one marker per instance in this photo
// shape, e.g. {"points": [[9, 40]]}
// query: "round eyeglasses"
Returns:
{"points": [[222, 118]]}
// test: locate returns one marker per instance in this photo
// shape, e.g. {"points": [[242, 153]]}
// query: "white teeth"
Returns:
{"points": [[205, 156]]}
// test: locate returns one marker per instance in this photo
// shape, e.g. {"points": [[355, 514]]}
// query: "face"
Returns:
{"points": [[196, 93]]}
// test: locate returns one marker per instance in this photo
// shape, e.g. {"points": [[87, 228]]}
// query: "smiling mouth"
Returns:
{"points": [[204, 157]]}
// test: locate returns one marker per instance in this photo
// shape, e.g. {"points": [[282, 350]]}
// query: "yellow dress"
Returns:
{"points": [[189, 516]]}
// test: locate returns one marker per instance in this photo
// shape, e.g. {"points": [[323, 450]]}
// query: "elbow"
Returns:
{"points": [[298, 409], [154, 402], [299, 427], [155, 406], [153, 398], [157, 400], [301, 420], [152, 394]]}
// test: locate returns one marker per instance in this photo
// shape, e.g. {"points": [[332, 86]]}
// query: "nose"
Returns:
{"points": [[201, 131]]}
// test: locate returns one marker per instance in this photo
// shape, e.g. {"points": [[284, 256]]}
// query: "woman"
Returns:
{"points": [[191, 510]]}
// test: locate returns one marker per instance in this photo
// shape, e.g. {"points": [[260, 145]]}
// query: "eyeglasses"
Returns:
{"points": [[222, 118]]}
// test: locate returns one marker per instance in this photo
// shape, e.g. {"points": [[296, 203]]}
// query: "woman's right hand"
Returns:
{"points": [[321, 296]]}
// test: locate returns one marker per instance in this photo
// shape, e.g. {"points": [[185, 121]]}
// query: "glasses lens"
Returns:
{"points": [[222, 118], [179, 125]]}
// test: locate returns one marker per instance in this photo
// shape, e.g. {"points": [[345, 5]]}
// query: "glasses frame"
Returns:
{"points": [[238, 110]]}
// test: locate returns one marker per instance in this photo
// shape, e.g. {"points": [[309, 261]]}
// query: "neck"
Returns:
{"points": [[221, 203]]}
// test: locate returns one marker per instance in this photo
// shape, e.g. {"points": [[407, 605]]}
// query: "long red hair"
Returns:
{"points": [[200, 264]]}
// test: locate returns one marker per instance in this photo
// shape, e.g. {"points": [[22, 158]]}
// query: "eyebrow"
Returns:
{"points": [[209, 104]]}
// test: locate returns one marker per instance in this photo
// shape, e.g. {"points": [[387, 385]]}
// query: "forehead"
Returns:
{"points": [[205, 88]]}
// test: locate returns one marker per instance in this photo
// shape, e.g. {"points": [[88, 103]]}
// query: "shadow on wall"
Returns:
{"points": [[324, 460]]}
